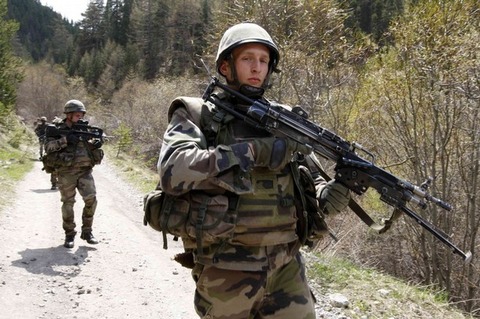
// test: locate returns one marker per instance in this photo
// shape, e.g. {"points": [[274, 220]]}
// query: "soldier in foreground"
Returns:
{"points": [[239, 188], [73, 157]]}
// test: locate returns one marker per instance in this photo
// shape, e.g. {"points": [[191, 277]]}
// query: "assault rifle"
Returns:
{"points": [[82, 129], [352, 170]]}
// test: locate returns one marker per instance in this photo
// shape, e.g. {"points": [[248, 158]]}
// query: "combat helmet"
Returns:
{"points": [[74, 106], [43, 119], [243, 33]]}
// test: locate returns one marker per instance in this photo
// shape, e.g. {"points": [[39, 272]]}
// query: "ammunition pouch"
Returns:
{"points": [[97, 155], [212, 219], [165, 213], [54, 160], [205, 219], [311, 223], [48, 163]]}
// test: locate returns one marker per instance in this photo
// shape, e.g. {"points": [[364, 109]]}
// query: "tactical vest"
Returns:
{"points": [[264, 217], [78, 155]]}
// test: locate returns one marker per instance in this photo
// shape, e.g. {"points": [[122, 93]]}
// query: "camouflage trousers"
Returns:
{"points": [[282, 293], [41, 146], [53, 178], [68, 182]]}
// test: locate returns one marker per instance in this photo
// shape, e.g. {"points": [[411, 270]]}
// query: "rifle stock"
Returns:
{"points": [[352, 170]]}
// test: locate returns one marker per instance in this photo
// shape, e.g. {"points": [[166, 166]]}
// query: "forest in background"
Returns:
{"points": [[400, 77]]}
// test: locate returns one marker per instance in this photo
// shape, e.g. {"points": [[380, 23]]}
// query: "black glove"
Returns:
{"points": [[72, 138], [96, 144], [334, 197]]}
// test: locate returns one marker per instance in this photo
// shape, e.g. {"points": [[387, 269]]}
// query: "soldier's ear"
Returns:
{"points": [[225, 69]]}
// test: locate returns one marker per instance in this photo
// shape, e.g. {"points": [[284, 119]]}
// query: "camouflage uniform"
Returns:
{"points": [[76, 173], [275, 293], [54, 179], [243, 220], [54, 175], [73, 167], [260, 265], [77, 178], [40, 132]]}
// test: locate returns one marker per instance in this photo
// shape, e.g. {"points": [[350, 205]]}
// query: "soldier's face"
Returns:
{"points": [[74, 117], [251, 64]]}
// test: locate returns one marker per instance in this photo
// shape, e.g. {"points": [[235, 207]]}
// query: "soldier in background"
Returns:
{"points": [[54, 175], [73, 165], [54, 180], [248, 263], [41, 125]]}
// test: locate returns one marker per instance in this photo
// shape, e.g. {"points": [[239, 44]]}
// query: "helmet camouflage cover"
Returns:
{"points": [[74, 106]]}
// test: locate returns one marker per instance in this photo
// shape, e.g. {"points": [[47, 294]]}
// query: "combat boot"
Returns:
{"points": [[69, 241], [88, 236]]}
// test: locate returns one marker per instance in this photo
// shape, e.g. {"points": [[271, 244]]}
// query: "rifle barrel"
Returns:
{"points": [[444, 238]]}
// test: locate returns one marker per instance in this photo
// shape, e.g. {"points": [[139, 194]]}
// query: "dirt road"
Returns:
{"points": [[127, 275]]}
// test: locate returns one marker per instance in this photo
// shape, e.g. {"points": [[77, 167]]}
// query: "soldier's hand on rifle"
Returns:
{"points": [[275, 153], [334, 197], [96, 144], [72, 138]]}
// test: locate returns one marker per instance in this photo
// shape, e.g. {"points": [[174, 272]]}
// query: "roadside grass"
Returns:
{"points": [[133, 170], [372, 294], [16, 157]]}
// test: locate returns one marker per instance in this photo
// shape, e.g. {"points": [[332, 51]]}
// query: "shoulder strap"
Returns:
{"points": [[205, 115], [194, 106]]}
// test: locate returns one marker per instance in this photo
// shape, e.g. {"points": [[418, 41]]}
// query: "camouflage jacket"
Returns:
{"points": [[40, 130], [69, 156], [190, 161]]}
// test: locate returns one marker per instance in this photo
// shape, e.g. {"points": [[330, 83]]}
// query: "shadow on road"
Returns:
{"points": [[44, 190], [53, 261]]}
